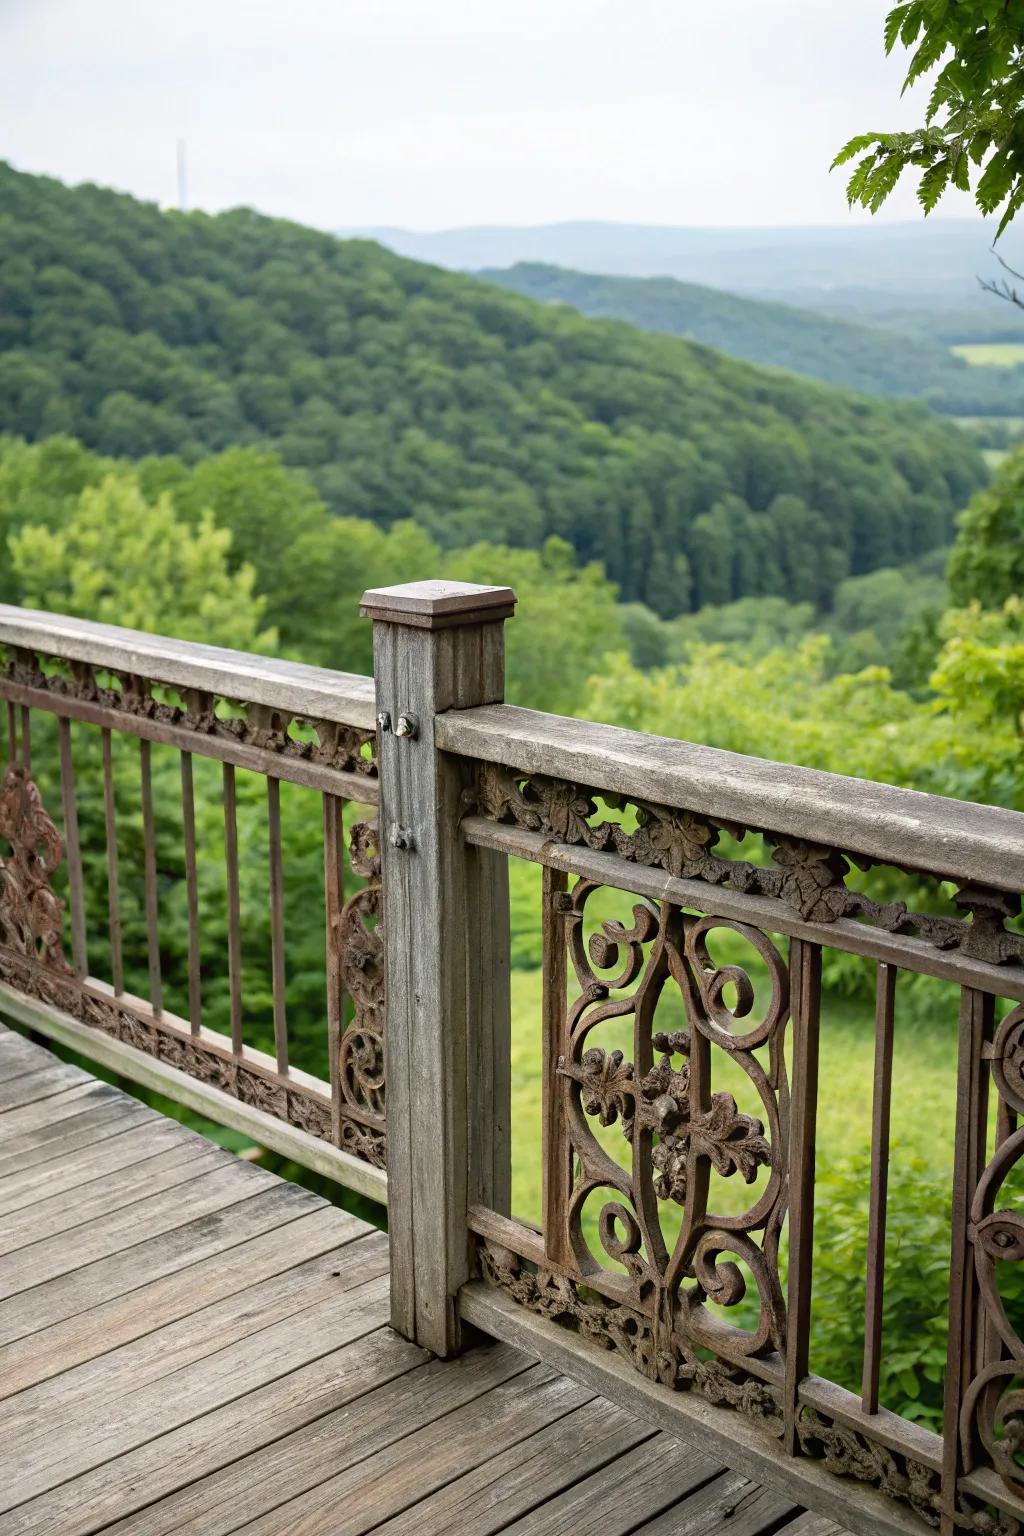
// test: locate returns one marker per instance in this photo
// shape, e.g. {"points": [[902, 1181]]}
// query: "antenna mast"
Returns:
{"points": [[182, 178]]}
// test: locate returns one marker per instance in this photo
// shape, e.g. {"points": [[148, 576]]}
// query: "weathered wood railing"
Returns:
{"points": [[76, 695], [688, 898], [708, 846]]}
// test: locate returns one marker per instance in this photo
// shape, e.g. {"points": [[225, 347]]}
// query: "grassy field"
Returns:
{"points": [[991, 354]]}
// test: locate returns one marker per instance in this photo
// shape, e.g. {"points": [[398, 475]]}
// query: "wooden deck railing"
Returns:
{"points": [[105, 726], [689, 896]]}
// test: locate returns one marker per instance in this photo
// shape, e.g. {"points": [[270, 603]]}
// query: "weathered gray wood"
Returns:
{"points": [[955, 839], [720, 1432], [521, 1476], [107, 1115], [43, 1083], [730, 1505], [65, 1401], [446, 934], [51, 1461], [383, 1449], [69, 1101], [437, 604], [219, 1181], [200, 1235], [315, 692], [298, 1145], [176, 1482], [91, 1161], [621, 1495], [241, 1262], [812, 1525], [56, 1216]]}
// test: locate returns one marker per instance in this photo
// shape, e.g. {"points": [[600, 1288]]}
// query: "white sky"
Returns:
{"points": [[430, 113]]}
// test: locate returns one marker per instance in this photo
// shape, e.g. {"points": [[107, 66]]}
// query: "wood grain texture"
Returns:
{"points": [[189, 1478], [114, 1192], [66, 1404], [730, 1505], [81, 1289], [43, 1083], [954, 839], [522, 1475], [56, 1350], [89, 1161], [220, 1181], [446, 934], [242, 1366], [289, 685], [58, 1140], [452, 1414]]}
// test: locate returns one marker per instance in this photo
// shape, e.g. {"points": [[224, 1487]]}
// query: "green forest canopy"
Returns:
{"points": [[406, 392], [820, 346]]}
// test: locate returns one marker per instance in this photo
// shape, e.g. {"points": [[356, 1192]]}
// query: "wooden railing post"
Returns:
{"points": [[439, 646]]}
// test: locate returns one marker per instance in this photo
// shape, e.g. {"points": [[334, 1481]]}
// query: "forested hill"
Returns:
{"points": [[406, 391], [817, 345]]}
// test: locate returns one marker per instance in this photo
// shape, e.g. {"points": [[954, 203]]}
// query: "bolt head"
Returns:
{"points": [[384, 721], [405, 726]]}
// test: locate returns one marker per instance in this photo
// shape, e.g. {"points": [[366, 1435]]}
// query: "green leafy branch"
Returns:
{"points": [[975, 114]]}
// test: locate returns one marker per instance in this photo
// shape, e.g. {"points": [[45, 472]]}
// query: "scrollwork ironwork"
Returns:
{"points": [[33, 961], [361, 949], [810, 880], [345, 748], [678, 1129]]}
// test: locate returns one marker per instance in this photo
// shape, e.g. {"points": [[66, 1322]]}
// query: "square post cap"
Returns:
{"points": [[437, 604]]}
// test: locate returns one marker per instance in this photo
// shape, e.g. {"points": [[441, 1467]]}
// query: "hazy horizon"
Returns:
{"points": [[370, 113]]}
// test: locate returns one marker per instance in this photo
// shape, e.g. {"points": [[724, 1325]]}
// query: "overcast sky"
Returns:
{"points": [[430, 113]]}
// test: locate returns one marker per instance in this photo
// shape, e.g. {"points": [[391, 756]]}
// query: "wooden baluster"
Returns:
{"points": [[277, 965], [149, 868], [26, 738], [439, 646], [234, 907], [113, 883], [12, 732], [334, 899], [805, 984], [977, 1014], [885, 1007], [73, 851], [188, 822], [556, 1154]]}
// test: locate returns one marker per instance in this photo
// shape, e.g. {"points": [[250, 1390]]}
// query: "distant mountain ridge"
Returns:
{"points": [[808, 342], [925, 263], [406, 392]]}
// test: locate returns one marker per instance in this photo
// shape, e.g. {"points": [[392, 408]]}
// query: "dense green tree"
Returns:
{"points": [[975, 114], [819, 346], [410, 394], [123, 560], [987, 564]]}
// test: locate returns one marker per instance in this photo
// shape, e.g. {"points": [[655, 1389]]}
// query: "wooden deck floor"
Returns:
{"points": [[189, 1344]]}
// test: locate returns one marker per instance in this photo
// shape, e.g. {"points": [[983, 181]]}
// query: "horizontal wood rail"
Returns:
{"points": [[309, 692], [954, 839]]}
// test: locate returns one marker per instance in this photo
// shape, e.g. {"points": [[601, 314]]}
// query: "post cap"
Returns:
{"points": [[437, 604]]}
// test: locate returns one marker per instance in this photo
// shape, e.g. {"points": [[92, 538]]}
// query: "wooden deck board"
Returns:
{"points": [[188, 1345]]}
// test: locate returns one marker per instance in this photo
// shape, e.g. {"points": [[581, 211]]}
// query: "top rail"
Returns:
{"points": [[341, 697], [953, 839]]}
